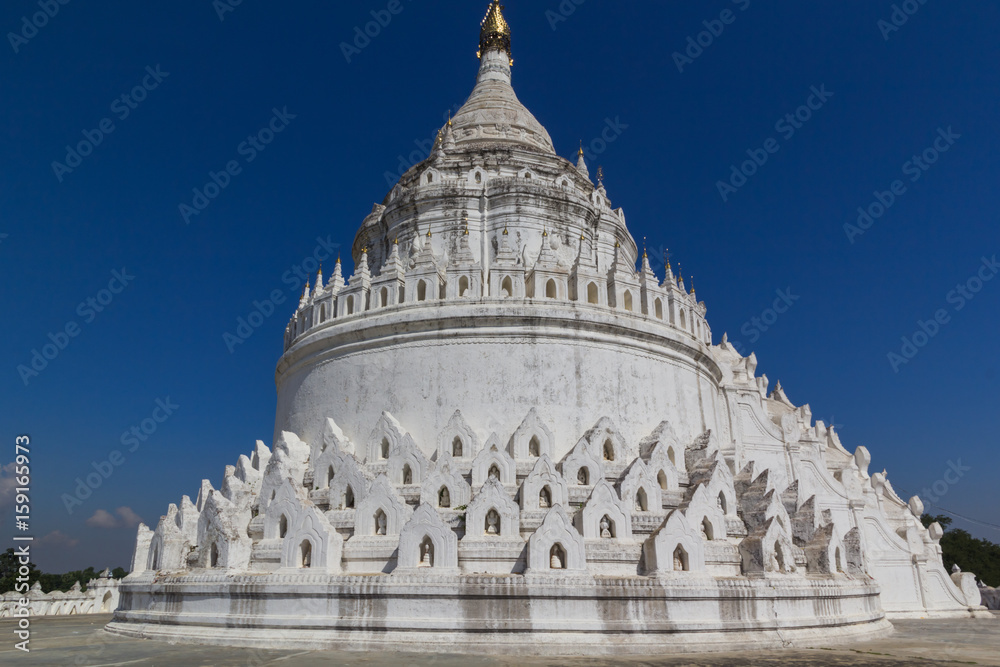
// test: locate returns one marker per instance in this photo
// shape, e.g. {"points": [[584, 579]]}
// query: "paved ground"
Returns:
{"points": [[76, 640]]}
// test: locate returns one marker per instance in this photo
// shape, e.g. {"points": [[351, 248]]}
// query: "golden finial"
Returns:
{"points": [[680, 272], [545, 232], [495, 33], [644, 255], [600, 175], [581, 148], [618, 243], [395, 241], [505, 230], [692, 284], [449, 117], [364, 251], [428, 231]]}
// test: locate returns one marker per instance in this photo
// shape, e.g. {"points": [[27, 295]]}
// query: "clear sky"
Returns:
{"points": [[98, 243]]}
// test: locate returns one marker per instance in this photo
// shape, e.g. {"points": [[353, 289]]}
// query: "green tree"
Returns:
{"points": [[50, 582], [9, 566], [958, 547]]}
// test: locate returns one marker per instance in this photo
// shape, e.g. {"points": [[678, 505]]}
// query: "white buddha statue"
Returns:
{"points": [[425, 555]]}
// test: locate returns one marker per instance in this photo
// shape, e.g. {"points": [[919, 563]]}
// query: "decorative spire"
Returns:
{"points": [[337, 282], [495, 33], [393, 265], [646, 276], [319, 281], [600, 176], [362, 271], [581, 164], [448, 144]]}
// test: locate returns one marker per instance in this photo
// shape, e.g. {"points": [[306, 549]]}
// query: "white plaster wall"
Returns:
{"points": [[425, 363]]}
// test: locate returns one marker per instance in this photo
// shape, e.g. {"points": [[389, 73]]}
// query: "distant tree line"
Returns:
{"points": [[9, 566], [981, 557]]}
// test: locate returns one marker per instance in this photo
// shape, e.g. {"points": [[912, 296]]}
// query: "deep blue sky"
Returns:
{"points": [[163, 335]]}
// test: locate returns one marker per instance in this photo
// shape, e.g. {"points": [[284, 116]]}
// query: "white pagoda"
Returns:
{"points": [[499, 436]]}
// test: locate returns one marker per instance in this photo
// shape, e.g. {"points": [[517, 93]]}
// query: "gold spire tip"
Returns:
{"points": [[495, 33]]}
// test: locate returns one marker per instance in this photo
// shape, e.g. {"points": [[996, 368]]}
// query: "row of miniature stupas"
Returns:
{"points": [[429, 279], [101, 597]]}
